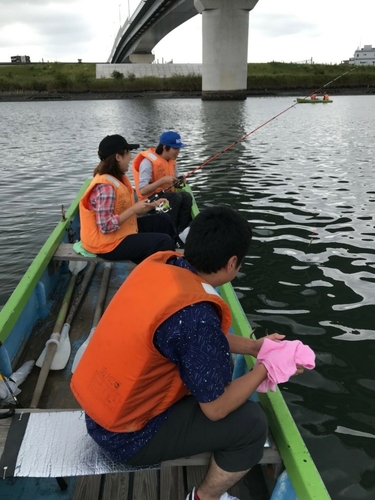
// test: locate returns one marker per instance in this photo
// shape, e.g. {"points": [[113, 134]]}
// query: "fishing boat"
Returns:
{"points": [[302, 100], [45, 451]]}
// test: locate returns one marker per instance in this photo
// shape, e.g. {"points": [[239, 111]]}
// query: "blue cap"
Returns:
{"points": [[172, 139]]}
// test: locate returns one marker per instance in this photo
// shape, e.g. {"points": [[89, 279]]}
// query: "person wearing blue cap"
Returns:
{"points": [[155, 170]]}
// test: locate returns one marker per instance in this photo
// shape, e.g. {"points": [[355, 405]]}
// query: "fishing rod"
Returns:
{"points": [[182, 178]]}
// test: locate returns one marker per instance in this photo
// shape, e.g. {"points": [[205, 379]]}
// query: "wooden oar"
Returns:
{"points": [[53, 342], [64, 348], [97, 315]]}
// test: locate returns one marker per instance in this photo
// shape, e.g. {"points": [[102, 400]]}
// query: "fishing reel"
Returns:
{"points": [[162, 207], [180, 182]]}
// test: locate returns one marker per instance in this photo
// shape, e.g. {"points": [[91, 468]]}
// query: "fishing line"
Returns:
{"points": [[245, 136], [259, 127]]}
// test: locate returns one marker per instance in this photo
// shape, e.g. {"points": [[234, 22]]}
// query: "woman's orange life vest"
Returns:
{"points": [[122, 381], [160, 168], [93, 240]]}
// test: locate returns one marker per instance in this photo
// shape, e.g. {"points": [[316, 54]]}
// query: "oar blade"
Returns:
{"points": [[62, 354], [76, 266]]}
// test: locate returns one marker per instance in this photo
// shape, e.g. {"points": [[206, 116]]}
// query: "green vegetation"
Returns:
{"points": [[80, 77], [275, 75]]}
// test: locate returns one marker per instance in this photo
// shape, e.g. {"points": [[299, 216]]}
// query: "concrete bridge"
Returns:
{"points": [[225, 30]]}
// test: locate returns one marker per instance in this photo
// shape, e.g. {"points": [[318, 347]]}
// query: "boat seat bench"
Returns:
{"points": [[65, 252], [66, 450]]}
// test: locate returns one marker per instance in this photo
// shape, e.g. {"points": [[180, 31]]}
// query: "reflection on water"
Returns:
{"points": [[306, 183]]}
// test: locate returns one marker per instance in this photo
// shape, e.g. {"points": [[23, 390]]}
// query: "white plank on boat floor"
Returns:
{"points": [[66, 450]]}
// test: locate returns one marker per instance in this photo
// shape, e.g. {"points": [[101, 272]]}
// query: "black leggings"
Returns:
{"points": [[236, 441], [155, 233]]}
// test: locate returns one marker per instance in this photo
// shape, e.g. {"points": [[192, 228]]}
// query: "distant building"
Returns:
{"points": [[20, 59], [364, 56]]}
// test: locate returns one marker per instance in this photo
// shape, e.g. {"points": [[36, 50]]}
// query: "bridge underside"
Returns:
{"points": [[144, 33], [225, 30]]}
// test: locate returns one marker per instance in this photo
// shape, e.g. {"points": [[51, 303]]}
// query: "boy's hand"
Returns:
{"points": [[276, 337]]}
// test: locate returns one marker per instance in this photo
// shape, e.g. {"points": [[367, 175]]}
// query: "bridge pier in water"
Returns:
{"points": [[225, 33]]}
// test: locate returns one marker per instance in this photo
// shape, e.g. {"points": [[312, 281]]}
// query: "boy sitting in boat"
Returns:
{"points": [[155, 171], [155, 380]]}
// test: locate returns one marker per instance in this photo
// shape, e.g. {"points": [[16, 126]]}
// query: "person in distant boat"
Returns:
{"points": [[325, 96], [162, 387], [313, 96], [155, 170], [111, 225]]}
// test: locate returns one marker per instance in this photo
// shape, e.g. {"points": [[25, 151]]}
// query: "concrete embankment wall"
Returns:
{"points": [[142, 70]]}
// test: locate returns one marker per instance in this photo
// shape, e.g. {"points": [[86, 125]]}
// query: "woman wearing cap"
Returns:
{"points": [[110, 226], [155, 170]]}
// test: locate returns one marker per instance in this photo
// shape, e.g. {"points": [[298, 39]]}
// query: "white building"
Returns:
{"points": [[364, 56]]}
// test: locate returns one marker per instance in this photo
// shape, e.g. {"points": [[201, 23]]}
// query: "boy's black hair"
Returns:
{"points": [[216, 234], [159, 149]]}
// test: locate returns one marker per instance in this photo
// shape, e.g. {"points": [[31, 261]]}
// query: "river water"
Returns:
{"points": [[305, 181]]}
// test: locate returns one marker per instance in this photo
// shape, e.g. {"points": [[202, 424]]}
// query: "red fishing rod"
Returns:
{"points": [[182, 178]]}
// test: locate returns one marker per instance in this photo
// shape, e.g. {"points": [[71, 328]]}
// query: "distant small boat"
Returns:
{"points": [[312, 101]]}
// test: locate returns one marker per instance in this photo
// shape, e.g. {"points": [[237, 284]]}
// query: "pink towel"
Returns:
{"points": [[281, 360]]}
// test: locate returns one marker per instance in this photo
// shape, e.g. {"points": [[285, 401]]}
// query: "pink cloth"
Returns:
{"points": [[281, 360]]}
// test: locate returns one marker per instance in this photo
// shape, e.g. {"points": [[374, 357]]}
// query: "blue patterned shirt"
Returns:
{"points": [[191, 338]]}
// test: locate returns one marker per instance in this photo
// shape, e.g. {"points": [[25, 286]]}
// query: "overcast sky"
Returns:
{"points": [[280, 30]]}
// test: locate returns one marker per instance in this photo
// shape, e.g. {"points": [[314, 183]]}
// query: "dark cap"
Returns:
{"points": [[112, 144]]}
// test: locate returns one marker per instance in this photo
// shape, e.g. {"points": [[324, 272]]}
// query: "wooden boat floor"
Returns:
{"points": [[57, 393], [168, 483]]}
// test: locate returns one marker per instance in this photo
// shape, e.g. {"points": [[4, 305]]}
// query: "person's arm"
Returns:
{"points": [[242, 345], [235, 394], [145, 174], [193, 340], [102, 200], [239, 390]]}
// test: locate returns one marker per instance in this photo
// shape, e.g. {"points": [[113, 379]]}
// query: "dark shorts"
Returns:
{"points": [[237, 441]]}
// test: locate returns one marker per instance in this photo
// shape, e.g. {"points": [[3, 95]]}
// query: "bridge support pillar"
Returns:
{"points": [[225, 26], [141, 58]]}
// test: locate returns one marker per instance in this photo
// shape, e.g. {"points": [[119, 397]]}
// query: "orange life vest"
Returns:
{"points": [[160, 168], [122, 381], [94, 240]]}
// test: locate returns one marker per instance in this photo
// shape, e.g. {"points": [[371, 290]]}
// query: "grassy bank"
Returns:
{"points": [[80, 78]]}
